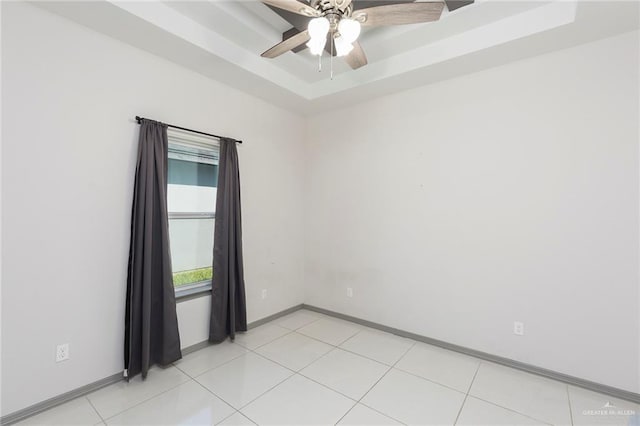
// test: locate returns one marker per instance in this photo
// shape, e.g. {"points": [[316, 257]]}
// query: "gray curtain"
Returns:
{"points": [[228, 304], [151, 324]]}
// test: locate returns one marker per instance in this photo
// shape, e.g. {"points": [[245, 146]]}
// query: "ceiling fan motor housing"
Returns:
{"points": [[339, 8]]}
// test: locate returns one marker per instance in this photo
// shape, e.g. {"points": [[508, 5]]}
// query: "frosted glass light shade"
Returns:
{"points": [[316, 45], [318, 28], [349, 29], [343, 47]]}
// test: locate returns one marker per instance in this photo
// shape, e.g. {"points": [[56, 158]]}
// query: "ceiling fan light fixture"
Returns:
{"points": [[349, 29], [343, 47], [318, 28], [316, 45]]}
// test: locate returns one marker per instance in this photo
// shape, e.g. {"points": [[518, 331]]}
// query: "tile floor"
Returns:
{"points": [[308, 368]]}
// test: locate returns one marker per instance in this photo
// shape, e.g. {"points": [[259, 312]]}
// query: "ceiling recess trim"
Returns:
{"points": [[223, 39], [543, 18]]}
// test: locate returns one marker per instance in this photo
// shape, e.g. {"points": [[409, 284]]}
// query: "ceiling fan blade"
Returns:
{"points": [[399, 14], [457, 4], [356, 58], [293, 6], [286, 45]]}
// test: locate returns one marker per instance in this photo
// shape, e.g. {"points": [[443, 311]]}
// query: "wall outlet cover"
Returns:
{"points": [[518, 328], [62, 352]]}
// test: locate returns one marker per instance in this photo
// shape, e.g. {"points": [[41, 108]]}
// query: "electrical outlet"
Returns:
{"points": [[518, 328], [62, 352], [264, 293], [349, 292]]}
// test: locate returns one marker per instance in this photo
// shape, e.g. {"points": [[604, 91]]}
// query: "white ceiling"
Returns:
{"points": [[223, 39]]}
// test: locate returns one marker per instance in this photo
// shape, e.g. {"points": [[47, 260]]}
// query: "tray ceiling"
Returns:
{"points": [[223, 40]]}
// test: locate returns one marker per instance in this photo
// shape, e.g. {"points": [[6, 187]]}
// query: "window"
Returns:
{"points": [[191, 199]]}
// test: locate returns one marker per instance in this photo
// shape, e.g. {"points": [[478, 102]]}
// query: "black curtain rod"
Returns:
{"points": [[139, 119]]}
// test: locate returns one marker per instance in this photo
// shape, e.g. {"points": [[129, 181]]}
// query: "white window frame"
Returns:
{"points": [[192, 140]]}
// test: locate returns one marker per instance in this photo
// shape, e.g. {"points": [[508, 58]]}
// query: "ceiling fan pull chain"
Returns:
{"points": [[331, 63]]}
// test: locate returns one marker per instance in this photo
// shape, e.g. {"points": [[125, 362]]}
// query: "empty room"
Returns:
{"points": [[320, 212]]}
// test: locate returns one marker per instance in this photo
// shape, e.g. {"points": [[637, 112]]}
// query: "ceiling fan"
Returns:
{"points": [[335, 25]]}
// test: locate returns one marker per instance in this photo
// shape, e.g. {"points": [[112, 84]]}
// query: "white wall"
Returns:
{"points": [[69, 141], [193, 320], [511, 194]]}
